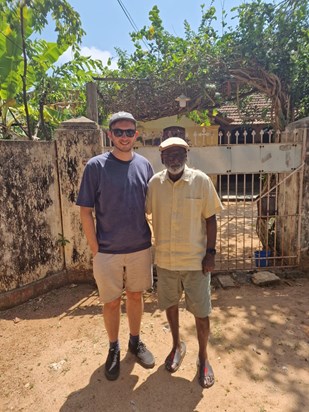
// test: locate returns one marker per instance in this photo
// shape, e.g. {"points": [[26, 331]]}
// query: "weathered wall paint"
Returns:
{"points": [[301, 128], [29, 213], [35, 207], [36, 211], [305, 197], [305, 218], [77, 141]]}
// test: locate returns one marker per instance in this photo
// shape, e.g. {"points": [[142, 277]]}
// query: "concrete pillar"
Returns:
{"points": [[77, 141], [92, 101], [301, 129]]}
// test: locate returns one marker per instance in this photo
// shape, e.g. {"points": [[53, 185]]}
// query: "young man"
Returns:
{"points": [[183, 203], [114, 185]]}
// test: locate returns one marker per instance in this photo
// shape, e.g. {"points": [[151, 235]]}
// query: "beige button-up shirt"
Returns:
{"points": [[179, 210]]}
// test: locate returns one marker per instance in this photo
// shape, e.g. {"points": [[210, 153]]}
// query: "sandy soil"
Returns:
{"points": [[53, 350]]}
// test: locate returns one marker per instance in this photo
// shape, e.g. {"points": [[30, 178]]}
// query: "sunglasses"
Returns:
{"points": [[173, 156], [121, 132]]}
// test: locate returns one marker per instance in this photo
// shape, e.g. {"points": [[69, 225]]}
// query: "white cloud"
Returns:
{"points": [[92, 52]]}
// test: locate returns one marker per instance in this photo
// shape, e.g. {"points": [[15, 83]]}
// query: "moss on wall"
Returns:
{"points": [[30, 215]]}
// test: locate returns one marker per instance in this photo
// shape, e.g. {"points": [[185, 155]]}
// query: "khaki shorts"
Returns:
{"points": [[195, 285], [115, 272]]}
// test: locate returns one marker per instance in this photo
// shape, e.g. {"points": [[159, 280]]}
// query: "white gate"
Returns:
{"points": [[260, 185]]}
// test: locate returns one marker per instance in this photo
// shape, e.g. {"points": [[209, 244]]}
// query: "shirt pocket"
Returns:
{"points": [[192, 209]]}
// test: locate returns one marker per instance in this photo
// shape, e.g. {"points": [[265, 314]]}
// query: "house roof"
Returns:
{"points": [[254, 109]]}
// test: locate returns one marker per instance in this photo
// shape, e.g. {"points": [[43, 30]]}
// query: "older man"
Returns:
{"points": [[183, 203]]}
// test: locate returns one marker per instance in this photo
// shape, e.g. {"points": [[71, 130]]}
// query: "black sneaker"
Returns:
{"points": [[143, 355], [112, 364]]}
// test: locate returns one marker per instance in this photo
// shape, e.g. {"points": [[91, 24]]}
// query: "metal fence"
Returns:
{"points": [[261, 224], [259, 178]]}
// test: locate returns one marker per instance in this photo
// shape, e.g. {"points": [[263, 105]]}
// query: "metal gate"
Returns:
{"points": [[260, 185]]}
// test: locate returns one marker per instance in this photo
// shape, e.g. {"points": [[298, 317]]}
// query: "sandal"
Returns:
{"points": [[174, 359], [206, 375]]}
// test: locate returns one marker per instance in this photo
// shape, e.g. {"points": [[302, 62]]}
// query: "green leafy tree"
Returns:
{"points": [[35, 94], [270, 50], [165, 66], [267, 51]]}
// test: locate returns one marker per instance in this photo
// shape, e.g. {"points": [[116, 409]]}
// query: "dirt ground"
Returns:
{"points": [[53, 350]]}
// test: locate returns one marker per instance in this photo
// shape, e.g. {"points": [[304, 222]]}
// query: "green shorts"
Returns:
{"points": [[195, 285]]}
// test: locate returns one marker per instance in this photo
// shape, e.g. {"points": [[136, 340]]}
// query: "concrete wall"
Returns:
{"points": [[77, 141], [41, 241], [300, 130], [29, 212]]}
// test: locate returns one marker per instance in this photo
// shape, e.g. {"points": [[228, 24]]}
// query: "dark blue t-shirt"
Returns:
{"points": [[116, 189]]}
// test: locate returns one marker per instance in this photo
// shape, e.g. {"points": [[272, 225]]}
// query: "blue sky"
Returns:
{"points": [[107, 26]]}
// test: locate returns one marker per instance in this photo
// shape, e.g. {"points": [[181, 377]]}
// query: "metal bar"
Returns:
{"points": [[305, 135], [283, 180]]}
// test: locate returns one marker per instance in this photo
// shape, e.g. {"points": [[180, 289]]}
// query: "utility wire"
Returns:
{"points": [[129, 17]]}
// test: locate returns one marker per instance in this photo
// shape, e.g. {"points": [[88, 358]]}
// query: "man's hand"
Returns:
{"points": [[208, 263], [95, 249], [89, 228]]}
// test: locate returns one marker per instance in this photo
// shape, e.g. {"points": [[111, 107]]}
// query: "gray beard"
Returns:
{"points": [[175, 170]]}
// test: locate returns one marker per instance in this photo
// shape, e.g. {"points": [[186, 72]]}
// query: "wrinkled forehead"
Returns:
{"points": [[174, 150]]}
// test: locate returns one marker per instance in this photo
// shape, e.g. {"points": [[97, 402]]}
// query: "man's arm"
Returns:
{"points": [[208, 262], [89, 228]]}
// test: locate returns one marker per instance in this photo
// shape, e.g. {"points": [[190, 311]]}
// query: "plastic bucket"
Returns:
{"points": [[261, 258]]}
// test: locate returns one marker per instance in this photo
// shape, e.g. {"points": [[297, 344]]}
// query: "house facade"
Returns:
{"points": [[151, 133]]}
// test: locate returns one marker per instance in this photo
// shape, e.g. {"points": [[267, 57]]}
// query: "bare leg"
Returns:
{"points": [[111, 315], [135, 308], [175, 357], [205, 373], [172, 314], [202, 329]]}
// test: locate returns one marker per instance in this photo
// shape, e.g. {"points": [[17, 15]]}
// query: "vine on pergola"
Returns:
{"points": [[150, 99], [267, 84]]}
